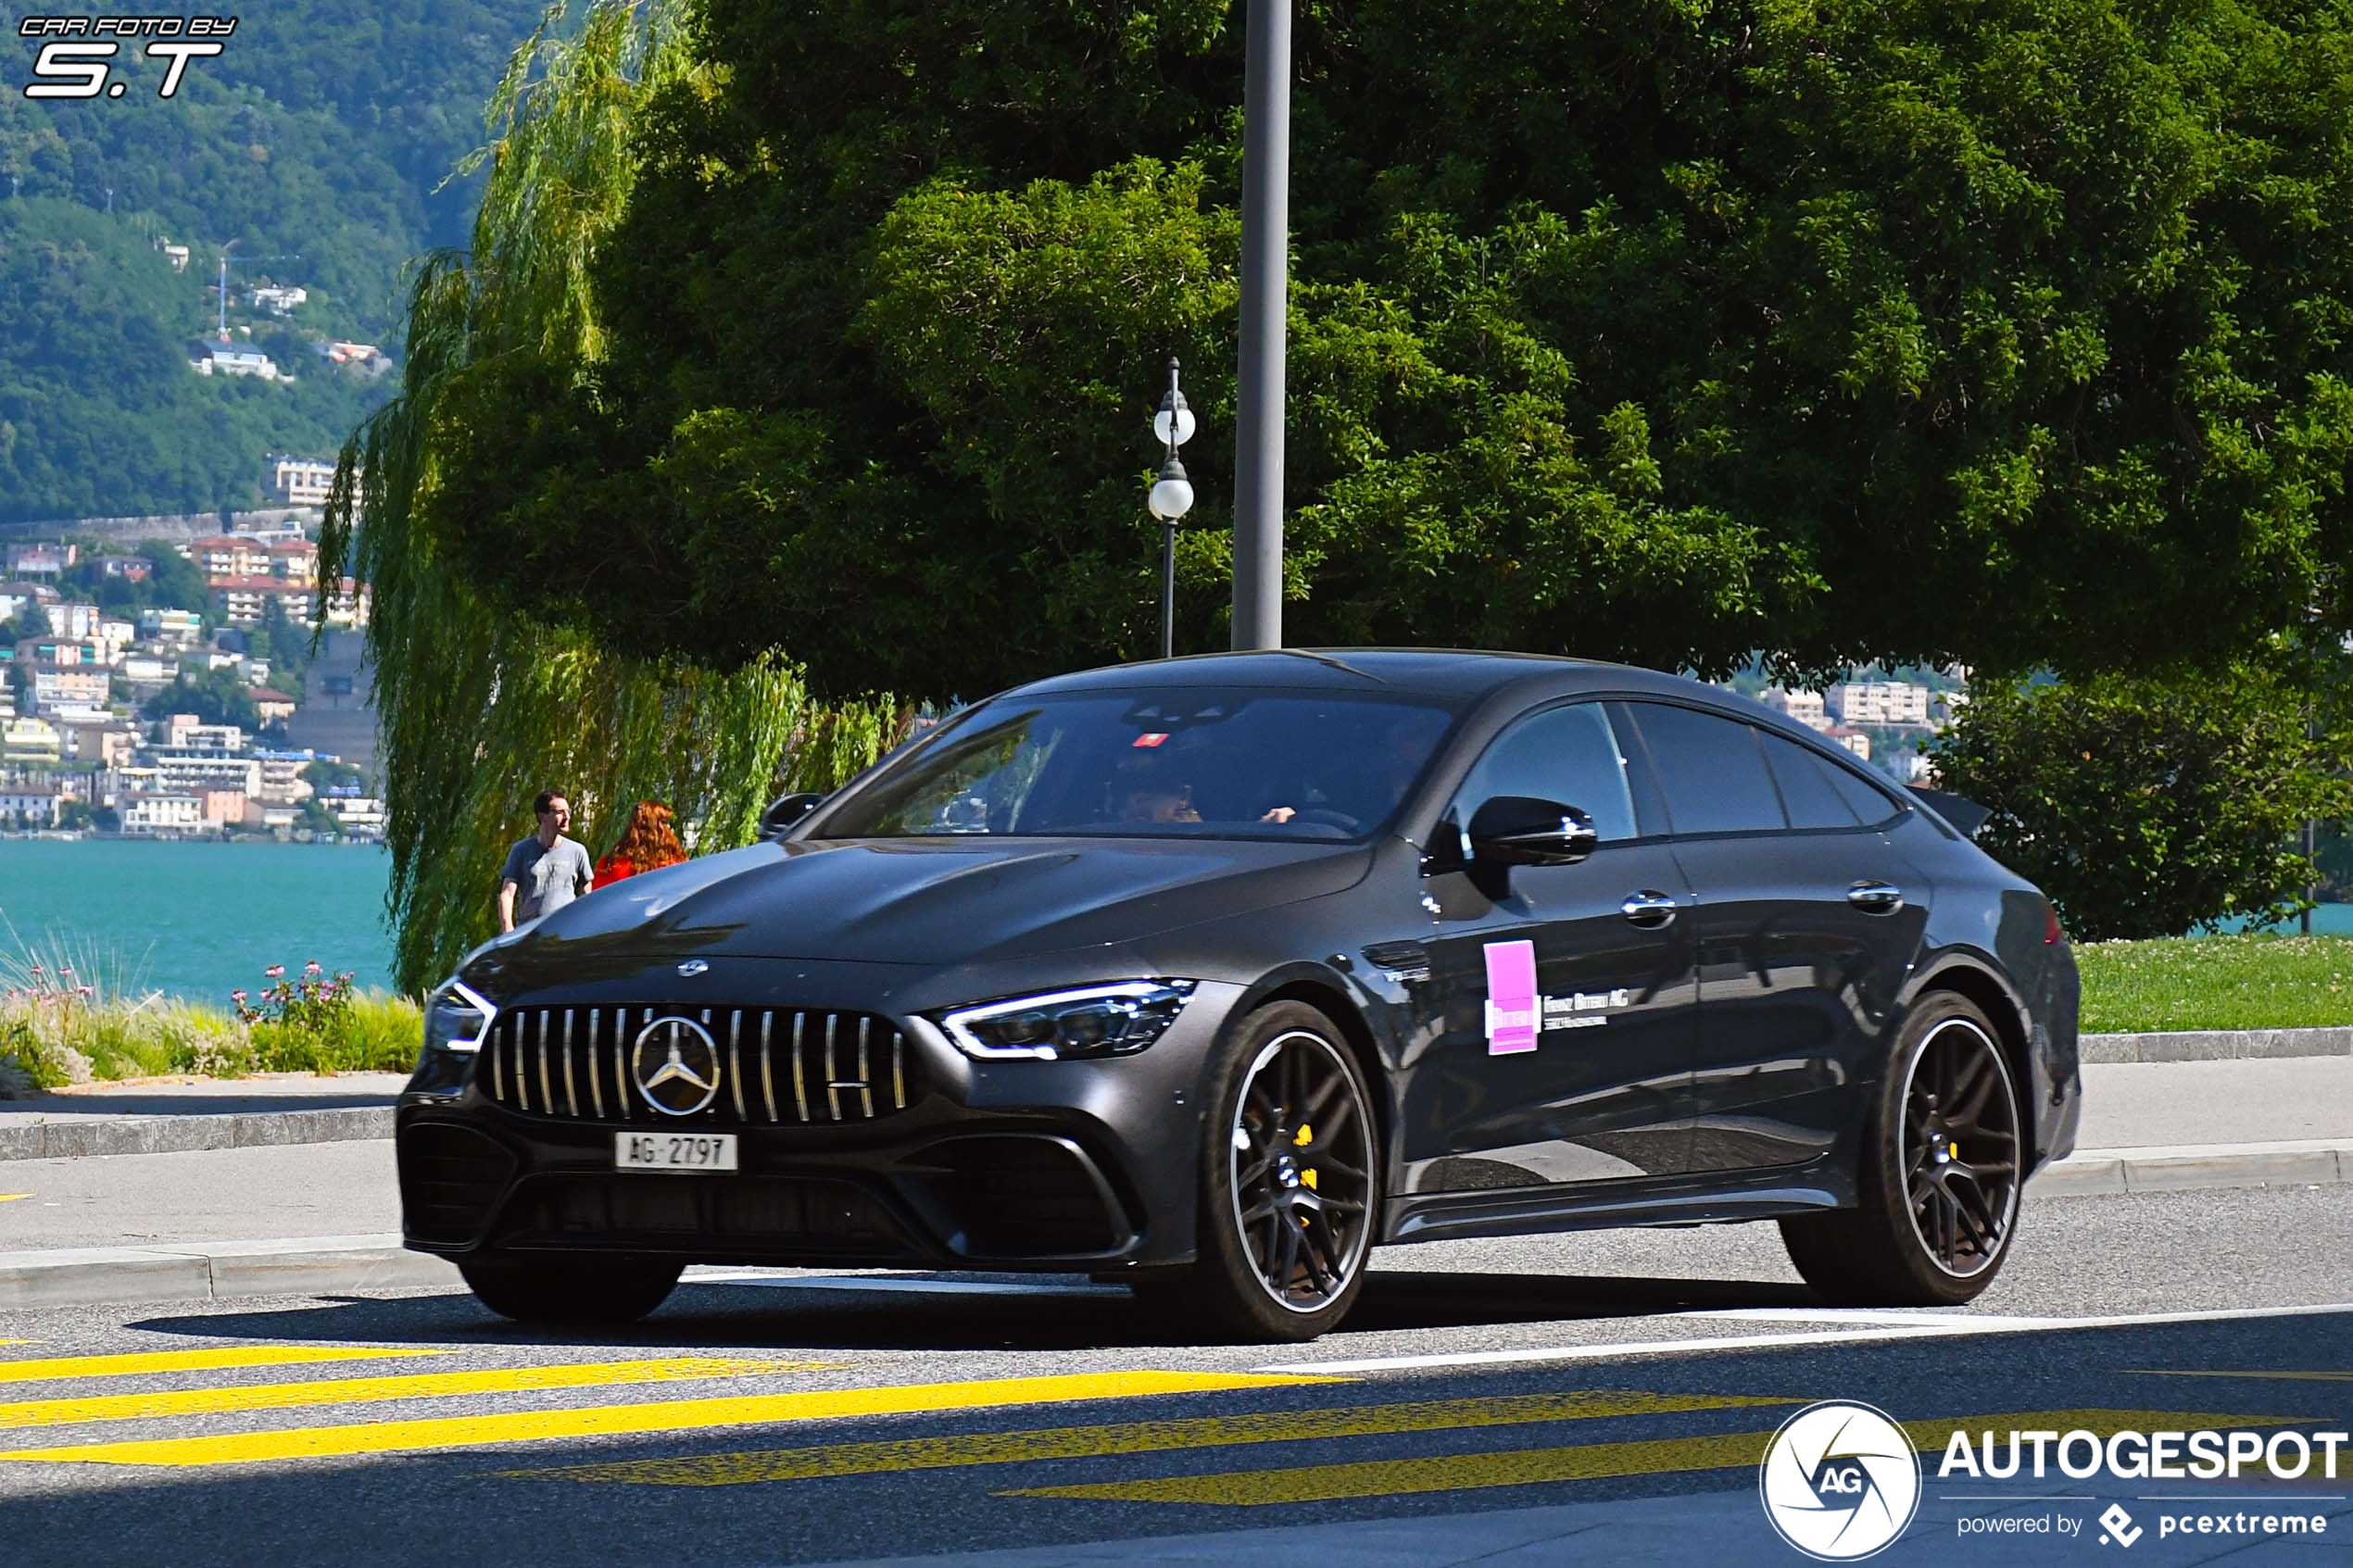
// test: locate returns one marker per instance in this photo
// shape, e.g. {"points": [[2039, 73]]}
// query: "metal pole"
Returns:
{"points": [[1168, 589], [1258, 438]]}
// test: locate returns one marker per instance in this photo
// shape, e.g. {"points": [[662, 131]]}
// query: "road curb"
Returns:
{"points": [[70, 1137], [2217, 1045], [2111, 1172], [218, 1271]]}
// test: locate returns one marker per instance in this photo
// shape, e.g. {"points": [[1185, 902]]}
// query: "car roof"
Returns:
{"points": [[1454, 674]]}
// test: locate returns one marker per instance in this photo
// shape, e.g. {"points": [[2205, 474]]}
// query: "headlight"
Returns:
{"points": [[1092, 1020], [456, 1019]]}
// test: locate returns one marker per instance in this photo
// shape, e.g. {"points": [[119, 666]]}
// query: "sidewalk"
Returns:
{"points": [[166, 1115]]}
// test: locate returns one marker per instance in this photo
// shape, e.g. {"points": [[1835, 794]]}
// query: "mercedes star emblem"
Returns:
{"points": [[676, 1066]]}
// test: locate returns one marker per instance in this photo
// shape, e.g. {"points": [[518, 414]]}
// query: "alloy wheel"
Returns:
{"points": [[1960, 1149], [1302, 1162]]}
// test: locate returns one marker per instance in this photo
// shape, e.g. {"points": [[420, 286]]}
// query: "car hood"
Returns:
{"points": [[931, 902]]}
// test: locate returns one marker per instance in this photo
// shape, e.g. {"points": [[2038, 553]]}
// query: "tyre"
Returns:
{"points": [[1942, 1150], [1290, 1186], [576, 1289]]}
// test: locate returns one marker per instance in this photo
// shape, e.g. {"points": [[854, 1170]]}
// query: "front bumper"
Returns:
{"points": [[1062, 1165]]}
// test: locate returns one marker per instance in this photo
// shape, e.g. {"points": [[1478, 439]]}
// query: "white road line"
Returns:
{"points": [[903, 1285], [1888, 1317], [1943, 1326]]}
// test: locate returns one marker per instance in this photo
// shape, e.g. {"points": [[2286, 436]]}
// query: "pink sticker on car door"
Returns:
{"points": [[1511, 997]]}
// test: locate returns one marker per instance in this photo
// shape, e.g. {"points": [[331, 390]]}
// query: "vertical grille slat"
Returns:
{"points": [[800, 1082], [596, 1078], [735, 1062], [865, 1074], [768, 1064], [846, 1048], [572, 1088], [833, 1095]]}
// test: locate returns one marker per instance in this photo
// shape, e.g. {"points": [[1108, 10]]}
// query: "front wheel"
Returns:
{"points": [[557, 1287], [1289, 1188], [1943, 1160]]}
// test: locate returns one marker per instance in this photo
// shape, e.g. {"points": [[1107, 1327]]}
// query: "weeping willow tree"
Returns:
{"points": [[483, 700]]}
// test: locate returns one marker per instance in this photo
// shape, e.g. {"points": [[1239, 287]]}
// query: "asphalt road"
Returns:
{"points": [[1597, 1399]]}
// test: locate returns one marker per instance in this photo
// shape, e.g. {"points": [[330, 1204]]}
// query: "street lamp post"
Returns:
{"points": [[1258, 444], [1172, 498]]}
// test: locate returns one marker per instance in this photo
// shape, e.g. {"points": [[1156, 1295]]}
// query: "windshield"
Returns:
{"points": [[1196, 763]]}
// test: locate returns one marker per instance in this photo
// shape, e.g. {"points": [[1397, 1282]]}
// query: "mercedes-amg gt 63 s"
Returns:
{"points": [[1208, 975]]}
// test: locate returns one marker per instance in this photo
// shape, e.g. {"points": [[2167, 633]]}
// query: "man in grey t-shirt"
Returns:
{"points": [[545, 871]]}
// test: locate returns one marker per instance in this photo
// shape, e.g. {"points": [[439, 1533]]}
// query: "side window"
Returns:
{"points": [[1808, 789], [1565, 754], [1710, 770], [1866, 802]]}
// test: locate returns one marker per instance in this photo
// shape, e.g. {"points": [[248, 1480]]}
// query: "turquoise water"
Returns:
{"points": [[194, 919]]}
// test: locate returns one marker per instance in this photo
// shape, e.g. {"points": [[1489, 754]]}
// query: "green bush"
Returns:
{"points": [[2150, 806]]}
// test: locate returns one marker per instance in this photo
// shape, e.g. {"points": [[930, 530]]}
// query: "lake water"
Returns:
{"points": [[194, 919]]}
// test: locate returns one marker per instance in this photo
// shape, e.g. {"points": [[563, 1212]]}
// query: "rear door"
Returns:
{"points": [[1561, 1031], [1806, 925]]}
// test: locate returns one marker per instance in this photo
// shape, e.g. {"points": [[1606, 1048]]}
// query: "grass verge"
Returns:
{"points": [[2260, 981]]}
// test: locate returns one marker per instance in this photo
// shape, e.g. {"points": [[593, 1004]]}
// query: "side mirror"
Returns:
{"points": [[787, 809], [1518, 830]]}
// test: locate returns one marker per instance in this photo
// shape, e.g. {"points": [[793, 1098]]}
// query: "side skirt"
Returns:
{"points": [[1669, 1201]]}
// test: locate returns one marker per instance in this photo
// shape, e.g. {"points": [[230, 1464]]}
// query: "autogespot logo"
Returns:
{"points": [[1839, 1481]]}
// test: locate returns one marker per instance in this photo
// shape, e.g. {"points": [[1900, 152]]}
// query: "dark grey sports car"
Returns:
{"points": [[1210, 974]]}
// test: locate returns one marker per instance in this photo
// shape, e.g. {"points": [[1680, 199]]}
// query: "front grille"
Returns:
{"points": [[777, 1067]]}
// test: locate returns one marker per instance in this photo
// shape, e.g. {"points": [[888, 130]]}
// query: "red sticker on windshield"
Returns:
{"points": [[1151, 739]]}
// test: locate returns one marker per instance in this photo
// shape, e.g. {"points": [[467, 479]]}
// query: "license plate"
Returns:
{"points": [[673, 1151]]}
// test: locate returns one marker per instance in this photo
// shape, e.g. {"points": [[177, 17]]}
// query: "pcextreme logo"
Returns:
{"points": [[1839, 1481]]}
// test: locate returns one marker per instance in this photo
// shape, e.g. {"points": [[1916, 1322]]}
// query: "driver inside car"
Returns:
{"points": [[1369, 792]]}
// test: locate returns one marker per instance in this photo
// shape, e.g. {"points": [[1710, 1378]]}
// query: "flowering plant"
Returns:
{"points": [[312, 1005]]}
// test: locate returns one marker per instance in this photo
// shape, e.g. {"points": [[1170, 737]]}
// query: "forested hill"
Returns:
{"points": [[313, 144]]}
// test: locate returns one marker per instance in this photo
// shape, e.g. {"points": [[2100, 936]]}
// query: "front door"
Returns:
{"points": [[1558, 1032]]}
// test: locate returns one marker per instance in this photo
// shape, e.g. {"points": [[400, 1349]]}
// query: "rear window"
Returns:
{"points": [[1710, 771]]}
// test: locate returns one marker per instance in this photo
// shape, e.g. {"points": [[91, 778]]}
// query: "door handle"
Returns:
{"points": [[1876, 898], [1648, 908]]}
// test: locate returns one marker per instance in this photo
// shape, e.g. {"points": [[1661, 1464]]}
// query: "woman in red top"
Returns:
{"points": [[649, 843]]}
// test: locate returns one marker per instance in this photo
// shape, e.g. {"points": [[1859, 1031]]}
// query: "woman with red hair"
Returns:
{"points": [[649, 843]]}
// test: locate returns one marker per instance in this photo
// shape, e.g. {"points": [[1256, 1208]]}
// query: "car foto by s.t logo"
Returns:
{"points": [[1839, 1481], [1517, 1012], [78, 61]]}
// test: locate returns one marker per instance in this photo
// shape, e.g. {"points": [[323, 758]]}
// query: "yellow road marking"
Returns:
{"points": [[11, 1198], [361, 1390], [140, 1363], [1134, 1437], [1595, 1462], [2281, 1376], [671, 1415]]}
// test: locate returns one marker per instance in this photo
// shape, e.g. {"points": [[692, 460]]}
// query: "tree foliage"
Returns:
{"points": [[2153, 806], [481, 701], [2014, 334]]}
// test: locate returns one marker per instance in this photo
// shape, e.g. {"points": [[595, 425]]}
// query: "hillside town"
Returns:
{"points": [[171, 689]]}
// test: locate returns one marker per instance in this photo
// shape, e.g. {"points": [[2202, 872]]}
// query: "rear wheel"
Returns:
{"points": [[1289, 1184], [1940, 1179], [570, 1288]]}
